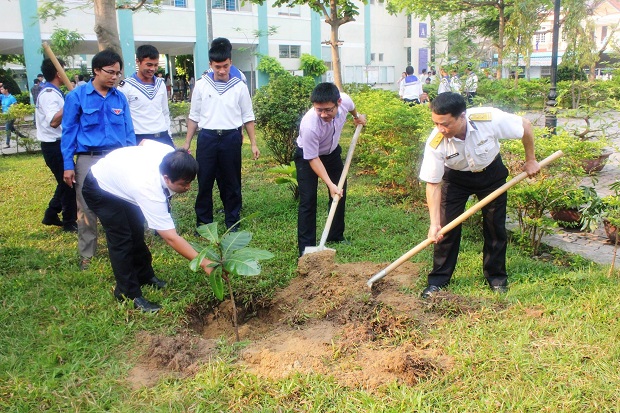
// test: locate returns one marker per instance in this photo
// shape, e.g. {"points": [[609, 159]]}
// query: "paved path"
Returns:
{"points": [[593, 246]]}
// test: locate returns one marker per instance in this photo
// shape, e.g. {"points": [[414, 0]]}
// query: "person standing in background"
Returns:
{"points": [[96, 121], [147, 98], [411, 88], [471, 84], [48, 113], [8, 100], [444, 83], [455, 82]]}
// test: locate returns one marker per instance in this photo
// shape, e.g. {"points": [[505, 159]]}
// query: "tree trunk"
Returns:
{"points": [[335, 55], [500, 39], [106, 27]]}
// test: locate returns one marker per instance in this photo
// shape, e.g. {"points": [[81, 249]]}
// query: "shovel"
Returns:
{"points": [[336, 198], [458, 220]]}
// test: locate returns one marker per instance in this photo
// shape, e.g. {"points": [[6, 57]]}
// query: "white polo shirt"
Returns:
{"points": [[49, 102], [132, 174], [477, 150], [148, 104]]}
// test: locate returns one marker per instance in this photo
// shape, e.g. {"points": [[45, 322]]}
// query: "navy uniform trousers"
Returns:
{"points": [[218, 153], [307, 182], [455, 191]]}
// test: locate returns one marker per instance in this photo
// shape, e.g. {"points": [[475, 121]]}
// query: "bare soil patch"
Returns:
{"points": [[327, 321]]}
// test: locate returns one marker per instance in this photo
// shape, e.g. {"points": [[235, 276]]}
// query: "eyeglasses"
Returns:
{"points": [[325, 110], [112, 72]]}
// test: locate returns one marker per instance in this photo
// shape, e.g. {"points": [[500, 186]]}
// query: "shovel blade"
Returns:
{"points": [[310, 250]]}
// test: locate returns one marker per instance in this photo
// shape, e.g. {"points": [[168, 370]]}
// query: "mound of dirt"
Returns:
{"points": [[327, 321]]}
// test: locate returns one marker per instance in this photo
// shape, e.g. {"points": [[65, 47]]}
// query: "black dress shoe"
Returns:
{"points": [[500, 289], [142, 304], [156, 283], [139, 303], [430, 291], [51, 219], [70, 227]]}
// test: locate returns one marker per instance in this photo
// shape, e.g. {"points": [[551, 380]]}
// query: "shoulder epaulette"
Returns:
{"points": [[121, 83], [481, 117], [49, 89], [436, 140]]}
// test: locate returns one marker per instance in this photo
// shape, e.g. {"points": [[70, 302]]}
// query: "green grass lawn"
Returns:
{"points": [[66, 345]]}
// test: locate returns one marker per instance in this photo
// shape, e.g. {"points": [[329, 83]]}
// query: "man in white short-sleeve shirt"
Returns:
{"points": [[48, 114], [461, 158], [147, 98], [123, 189], [318, 156]]}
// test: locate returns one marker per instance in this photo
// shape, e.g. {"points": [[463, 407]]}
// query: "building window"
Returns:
{"points": [[173, 3], [409, 26], [289, 51], [372, 57], [603, 33], [228, 5], [540, 37], [423, 31], [381, 57], [290, 11]]}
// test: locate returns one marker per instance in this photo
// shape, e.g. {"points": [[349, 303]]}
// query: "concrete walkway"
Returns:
{"points": [[594, 246]]}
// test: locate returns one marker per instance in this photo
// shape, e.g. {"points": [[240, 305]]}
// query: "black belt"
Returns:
{"points": [[152, 135], [221, 132], [96, 153]]}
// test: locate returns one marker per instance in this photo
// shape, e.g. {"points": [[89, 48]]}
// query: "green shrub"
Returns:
{"points": [[312, 66], [271, 66], [393, 140], [279, 107], [529, 94], [23, 97]]}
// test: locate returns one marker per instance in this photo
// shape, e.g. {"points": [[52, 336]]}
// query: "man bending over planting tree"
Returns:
{"points": [[127, 186]]}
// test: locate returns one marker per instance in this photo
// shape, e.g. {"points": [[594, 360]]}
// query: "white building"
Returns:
{"points": [[375, 48]]}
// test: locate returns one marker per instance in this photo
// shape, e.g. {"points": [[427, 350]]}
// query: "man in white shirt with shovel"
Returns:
{"points": [[318, 155]]}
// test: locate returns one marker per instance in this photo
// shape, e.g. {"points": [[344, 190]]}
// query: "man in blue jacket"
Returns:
{"points": [[96, 121]]}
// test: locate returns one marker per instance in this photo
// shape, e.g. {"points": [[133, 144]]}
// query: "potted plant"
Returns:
{"points": [[611, 213], [565, 206]]}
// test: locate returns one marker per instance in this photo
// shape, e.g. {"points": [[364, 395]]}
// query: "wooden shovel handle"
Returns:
{"points": [[59, 68], [458, 220]]}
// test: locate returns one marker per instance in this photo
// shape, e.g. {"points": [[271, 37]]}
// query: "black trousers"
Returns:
{"points": [[124, 229], [456, 189], [63, 199], [307, 182], [219, 160]]}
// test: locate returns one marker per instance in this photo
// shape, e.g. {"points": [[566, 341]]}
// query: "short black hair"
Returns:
{"points": [[6, 87], [220, 50], [49, 70], [106, 57], [147, 51], [409, 70], [36, 81], [179, 165], [448, 103], [324, 93]]}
